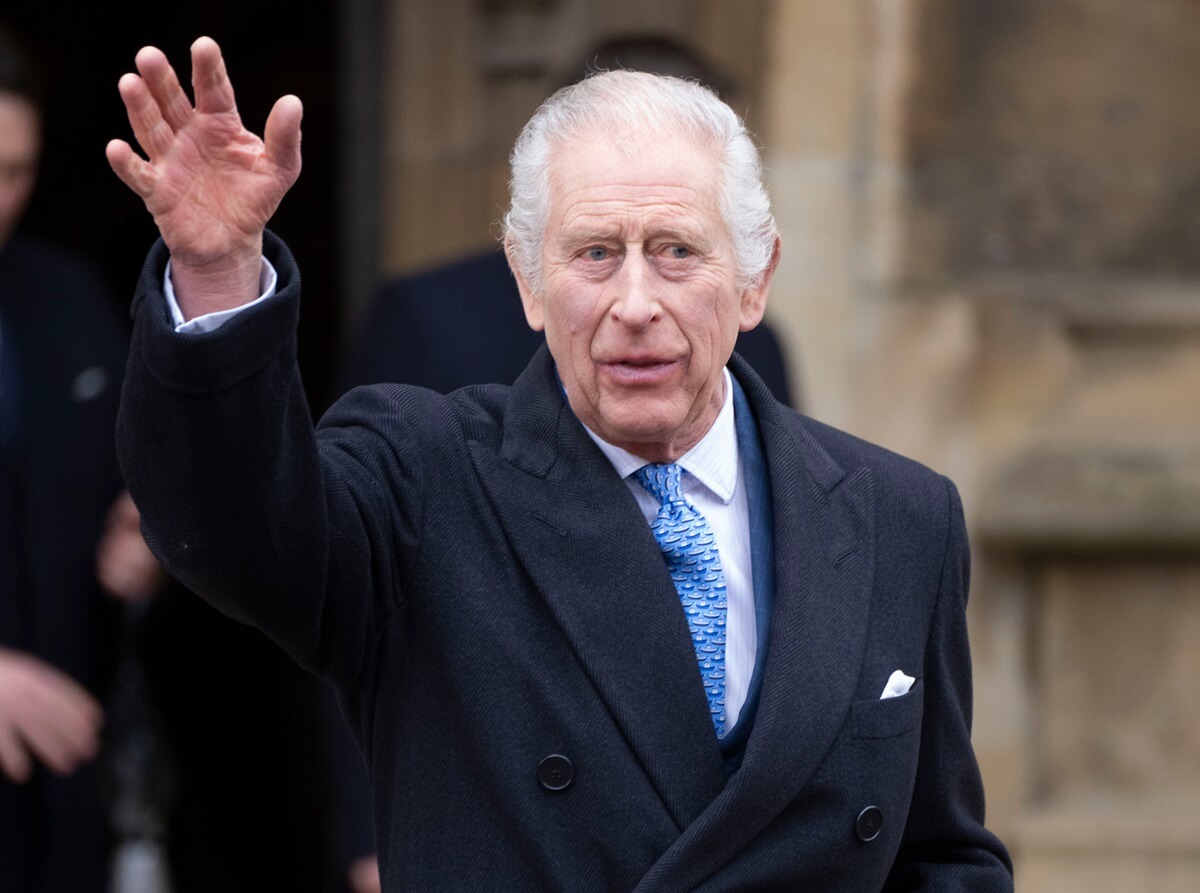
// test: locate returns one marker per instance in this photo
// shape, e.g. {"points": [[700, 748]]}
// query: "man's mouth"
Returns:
{"points": [[640, 370]]}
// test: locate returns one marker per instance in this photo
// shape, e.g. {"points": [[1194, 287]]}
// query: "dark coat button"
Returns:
{"points": [[869, 823], [555, 772]]}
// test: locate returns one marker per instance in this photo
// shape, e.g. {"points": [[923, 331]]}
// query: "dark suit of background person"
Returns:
{"points": [[245, 796], [438, 559], [62, 356]]}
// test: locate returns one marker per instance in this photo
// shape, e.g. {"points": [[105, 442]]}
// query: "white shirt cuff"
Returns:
{"points": [[267, 279]]}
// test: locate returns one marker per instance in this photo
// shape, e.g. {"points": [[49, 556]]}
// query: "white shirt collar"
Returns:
{"points": [[713, 461]]}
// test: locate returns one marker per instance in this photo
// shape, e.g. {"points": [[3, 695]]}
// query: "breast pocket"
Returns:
{"points": [[889, 717]]}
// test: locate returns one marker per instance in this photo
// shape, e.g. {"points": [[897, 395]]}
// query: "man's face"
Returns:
{"points": [[20, 145], [640, 302]]}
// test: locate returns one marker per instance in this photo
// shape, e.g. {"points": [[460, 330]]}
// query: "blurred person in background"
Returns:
{"points": [[210, 743], [67, 532]]}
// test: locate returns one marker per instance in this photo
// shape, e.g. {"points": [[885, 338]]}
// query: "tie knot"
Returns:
{"points": [[665, 482]]}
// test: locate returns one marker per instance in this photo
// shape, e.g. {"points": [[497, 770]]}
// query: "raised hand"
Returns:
{"points": [[210, 184]]}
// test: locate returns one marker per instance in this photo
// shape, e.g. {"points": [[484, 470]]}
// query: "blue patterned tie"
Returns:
{"points": [[690, 550]]}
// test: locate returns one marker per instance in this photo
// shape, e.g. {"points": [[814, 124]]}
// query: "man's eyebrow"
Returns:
{"points": [[578, 238], [675, 234], [573, 239]]}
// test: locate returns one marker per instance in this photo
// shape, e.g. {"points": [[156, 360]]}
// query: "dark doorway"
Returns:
{"points": [[270, 49], [251, 719]]}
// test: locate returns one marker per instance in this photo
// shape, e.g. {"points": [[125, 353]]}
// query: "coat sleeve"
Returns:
{"points": [[945, 845], [300, 533]]}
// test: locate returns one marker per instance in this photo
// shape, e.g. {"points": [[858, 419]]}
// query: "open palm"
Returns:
{"points": [[210, 184]]}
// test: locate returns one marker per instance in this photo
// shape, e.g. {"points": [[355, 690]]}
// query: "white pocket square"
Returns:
{"points": [[898, 684]]}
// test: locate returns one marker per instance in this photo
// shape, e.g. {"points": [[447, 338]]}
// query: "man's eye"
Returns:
{"points": [[597, 253], [679, 252]]}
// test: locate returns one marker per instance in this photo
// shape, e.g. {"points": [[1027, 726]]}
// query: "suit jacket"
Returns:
{"points": [[462, 324], [479, 585], [62, 351]]}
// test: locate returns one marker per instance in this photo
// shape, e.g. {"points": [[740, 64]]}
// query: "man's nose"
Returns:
{"points": [[636, 296]]}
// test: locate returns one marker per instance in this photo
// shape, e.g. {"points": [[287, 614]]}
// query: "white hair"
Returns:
{"points": [[623, 105]]}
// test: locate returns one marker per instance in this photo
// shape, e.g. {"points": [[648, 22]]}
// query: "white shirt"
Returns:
{"points": [[267, 280], [714, 484]]}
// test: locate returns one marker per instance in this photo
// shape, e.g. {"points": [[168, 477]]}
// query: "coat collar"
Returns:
{"points": [[559, 498]]}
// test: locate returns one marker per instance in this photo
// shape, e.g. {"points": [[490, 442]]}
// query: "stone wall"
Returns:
{"points": [[990, 217]]}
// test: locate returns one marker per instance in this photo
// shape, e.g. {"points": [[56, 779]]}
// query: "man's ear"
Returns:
{"points": [[529, 300], [754, 298]]}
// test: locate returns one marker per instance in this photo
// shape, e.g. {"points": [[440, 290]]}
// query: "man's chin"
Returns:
{"points": [[643, 433]]}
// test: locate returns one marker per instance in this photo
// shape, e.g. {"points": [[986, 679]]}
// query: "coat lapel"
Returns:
{"points": [[558, 499], [824, 564]]}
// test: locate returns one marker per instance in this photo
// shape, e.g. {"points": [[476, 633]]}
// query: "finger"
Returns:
{"points": [[210, 81], [52, 747], [14, 760], [164, 86], [363, 875], [108, 574], [139, 573], [122, 513], [153, 133], [133, 171], [128, 579], [63, 750], [282, 134], [62, 693], [126, 510], [65, 729]]}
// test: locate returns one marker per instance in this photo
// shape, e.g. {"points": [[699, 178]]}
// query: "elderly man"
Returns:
{"points": [[628, 624]]}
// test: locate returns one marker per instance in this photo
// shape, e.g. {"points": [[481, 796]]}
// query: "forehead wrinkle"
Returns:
{"points": [[635, 194], [654, 218], [577, 165]]}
